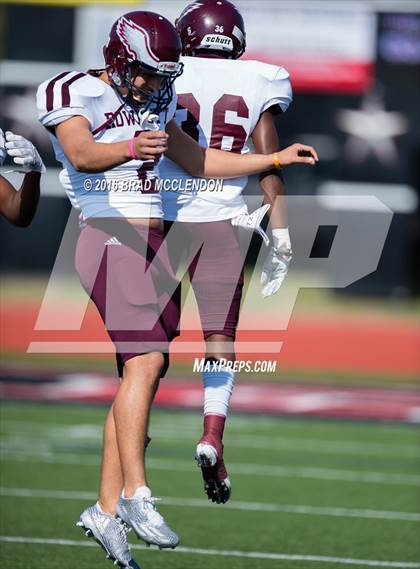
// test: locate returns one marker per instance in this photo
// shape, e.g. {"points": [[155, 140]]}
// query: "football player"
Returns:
{"points": [[222, 103], [109, 128], [19, 207]]}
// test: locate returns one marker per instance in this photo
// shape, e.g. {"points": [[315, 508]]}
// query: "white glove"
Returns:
{"points": [[277, 263], [252, 222], [24, 154], [2, 148]]}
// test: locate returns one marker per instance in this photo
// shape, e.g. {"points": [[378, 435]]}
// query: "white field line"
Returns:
{"points": [[241, 469], [235, 505], [318, 446], [226, 553]]}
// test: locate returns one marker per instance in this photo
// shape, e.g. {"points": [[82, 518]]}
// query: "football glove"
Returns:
{"points": [[24, 154], [252, 222], [149, 121], [2, 148], [277, 263]]}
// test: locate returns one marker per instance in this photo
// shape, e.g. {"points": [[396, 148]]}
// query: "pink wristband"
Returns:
{"points": [[131, 151]]}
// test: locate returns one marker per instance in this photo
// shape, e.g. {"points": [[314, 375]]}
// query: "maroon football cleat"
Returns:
{"points": [[209, 457]]}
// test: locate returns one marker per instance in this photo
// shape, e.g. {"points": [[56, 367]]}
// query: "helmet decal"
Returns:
{"points": [[131, 34], [237, 32], [218, 41], [190, 8]]}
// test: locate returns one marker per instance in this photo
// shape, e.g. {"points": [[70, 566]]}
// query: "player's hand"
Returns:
{"points": [[24, 154], [276, 265], [298, 154], [150, 145], [252, 222], [2, 148]]}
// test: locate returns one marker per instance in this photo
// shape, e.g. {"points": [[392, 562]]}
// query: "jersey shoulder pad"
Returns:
{"points": [[265, 70], [89, 86], [275, 87], [67, 94]]}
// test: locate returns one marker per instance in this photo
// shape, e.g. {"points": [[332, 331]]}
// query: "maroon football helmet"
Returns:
{"points": [[212, 26], [144, 42]]}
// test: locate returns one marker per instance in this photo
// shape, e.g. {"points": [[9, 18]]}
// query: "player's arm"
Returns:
{"points": [[213, 163], [266, 141], [19, 207], [276, 265], [87, 155]]}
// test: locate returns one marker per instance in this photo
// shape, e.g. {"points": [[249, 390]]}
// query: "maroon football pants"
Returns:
{"points": [[126, 271], [215, 267]]}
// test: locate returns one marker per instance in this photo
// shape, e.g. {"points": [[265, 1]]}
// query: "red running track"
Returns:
{"points": [[278, 399], [374, 346]]}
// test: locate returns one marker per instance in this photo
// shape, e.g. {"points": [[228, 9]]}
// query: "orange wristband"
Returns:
{"points": [[276, 161]]}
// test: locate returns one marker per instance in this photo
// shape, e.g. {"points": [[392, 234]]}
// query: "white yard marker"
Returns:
{"points": [[235, 505], [227, 553], [267, 470], [235, 439]]}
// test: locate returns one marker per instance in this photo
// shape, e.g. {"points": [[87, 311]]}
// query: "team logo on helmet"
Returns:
{"points": [[190, 8], [131, 35]]}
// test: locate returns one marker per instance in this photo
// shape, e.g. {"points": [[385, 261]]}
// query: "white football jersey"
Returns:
{"points": [[219, 104], [124, 191]]}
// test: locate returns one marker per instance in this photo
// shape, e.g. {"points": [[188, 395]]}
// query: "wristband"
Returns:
{"points": [[276, 161], [131, 150]]}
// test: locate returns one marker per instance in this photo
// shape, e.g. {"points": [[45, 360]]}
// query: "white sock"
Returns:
{"points": [[218, 388], [140, 492]]}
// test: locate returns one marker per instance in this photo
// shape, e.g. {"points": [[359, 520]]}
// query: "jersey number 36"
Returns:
{"points": [[220, 128]]}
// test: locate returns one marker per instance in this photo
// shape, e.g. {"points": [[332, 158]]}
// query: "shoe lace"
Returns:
{"points": [[123, 530], [150, 506]]}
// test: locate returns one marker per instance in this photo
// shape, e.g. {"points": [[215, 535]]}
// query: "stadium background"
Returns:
{"points": [[350, 353]]}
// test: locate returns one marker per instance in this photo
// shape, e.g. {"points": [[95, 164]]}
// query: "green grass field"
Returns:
{"points": [[306, 493]]}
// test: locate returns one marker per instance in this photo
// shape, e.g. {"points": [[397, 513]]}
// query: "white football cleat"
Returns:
{"points": [[110, 534], [140, 514]]}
